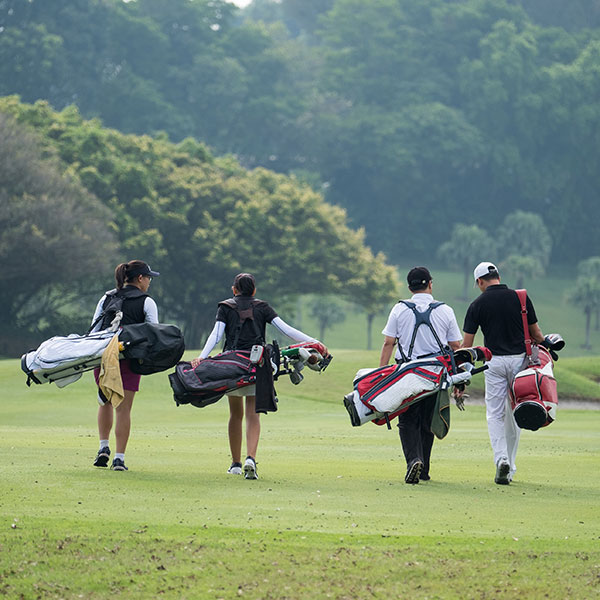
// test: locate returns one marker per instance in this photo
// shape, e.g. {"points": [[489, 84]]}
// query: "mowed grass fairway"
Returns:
{"points": [[330, 516]]}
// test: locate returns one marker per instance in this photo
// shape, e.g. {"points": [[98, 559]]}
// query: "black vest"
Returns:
{"points": [[132, 307], [243, 309]]}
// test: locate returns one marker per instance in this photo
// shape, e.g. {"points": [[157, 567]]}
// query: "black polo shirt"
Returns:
{"points": [[498, 312]]}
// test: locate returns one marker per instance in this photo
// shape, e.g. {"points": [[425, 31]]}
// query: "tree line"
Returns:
{"points": [[413, 116], [76, 198]]}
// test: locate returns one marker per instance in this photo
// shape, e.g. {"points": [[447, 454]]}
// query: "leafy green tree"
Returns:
{"points": [[54, 238], [573, 15], [466, 243], [201, 219], [590, 269], [328, 312], [586, 295], [405, 111], [522, 268], [299, 16], [31, 60], [375, 289], [525, 245]]}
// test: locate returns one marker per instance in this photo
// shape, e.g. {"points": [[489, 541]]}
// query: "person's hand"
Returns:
{"points": [[321, 349], [196, 362], [459, 397]]}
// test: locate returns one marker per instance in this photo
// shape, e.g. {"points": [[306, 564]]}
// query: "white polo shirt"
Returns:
{"points": [[401, 323]]}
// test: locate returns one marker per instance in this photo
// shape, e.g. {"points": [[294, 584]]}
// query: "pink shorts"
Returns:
{"points": [[131, 380]]}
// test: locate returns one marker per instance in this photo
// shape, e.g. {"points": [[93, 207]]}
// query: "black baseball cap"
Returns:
{"points": [[143, 270], [418, 276]]}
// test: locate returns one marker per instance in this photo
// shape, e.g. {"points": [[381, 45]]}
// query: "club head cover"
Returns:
{"points": [[554, 341], [464, 355], [483, 353]]}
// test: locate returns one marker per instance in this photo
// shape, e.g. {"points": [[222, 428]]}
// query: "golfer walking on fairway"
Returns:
{"points": [[414, 341], [133, 280], [243, 319], [498, 312]]}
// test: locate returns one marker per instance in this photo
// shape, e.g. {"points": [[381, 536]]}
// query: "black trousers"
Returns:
{"points": [[414, 427]]}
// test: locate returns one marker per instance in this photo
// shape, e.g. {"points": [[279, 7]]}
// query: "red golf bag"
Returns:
{"points": [[533, 393]]}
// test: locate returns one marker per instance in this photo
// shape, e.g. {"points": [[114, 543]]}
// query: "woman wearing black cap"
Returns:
{"points": [[133, 280], [243, 320]]}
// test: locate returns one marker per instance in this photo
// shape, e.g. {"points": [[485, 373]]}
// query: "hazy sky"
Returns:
{"points": [[240, 3]]}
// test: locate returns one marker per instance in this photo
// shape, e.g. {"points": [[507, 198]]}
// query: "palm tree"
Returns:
{"points": [[586, 295], [590, 267], [463, 249]]}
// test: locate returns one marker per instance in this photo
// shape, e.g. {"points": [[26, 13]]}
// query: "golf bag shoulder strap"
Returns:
{"points": [[244, 314], [421, 318], [522, 295], [113, 302]]}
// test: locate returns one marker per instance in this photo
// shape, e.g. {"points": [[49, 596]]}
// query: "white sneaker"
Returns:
{"points": [[502, 471], [235, 468], [250, 468]]}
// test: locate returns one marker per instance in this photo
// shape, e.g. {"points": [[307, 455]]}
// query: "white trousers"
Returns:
{"points": [[503, 430]]}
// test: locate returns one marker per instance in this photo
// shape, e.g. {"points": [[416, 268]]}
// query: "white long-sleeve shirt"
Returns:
{"points": [[219, 329]]}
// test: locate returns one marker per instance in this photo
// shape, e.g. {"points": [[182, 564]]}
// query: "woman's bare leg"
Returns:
{"points": [[123, 421], [105, 420], [252, 426], [234, 429]]}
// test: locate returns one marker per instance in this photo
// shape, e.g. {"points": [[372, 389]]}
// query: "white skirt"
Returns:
{"points": [[247, 390]]}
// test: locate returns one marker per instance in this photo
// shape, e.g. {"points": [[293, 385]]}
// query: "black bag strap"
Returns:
{"points": [[421, 318], [246, 314], [115, 298], [110, 295]]}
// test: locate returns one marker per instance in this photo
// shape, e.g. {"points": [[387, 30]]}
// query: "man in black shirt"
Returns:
{"points": [[498, 312]]}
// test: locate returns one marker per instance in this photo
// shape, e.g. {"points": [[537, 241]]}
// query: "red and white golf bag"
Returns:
{"points": [[533, 393], [381, 394]]}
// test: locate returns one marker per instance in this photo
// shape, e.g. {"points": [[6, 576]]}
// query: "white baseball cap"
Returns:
{"points": [[484, 268]]}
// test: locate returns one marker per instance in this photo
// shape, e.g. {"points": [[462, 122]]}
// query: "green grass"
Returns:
{"points": [[330, 516]]}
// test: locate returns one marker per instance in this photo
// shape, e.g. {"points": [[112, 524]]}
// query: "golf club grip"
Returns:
{"points": [[479, 369]]}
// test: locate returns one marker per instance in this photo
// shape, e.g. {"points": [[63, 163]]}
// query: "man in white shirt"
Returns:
{"points": [[435, 330]]}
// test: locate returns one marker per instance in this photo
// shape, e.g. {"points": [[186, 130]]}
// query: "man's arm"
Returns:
{"points": [[468, 340], [536, 333], [386, 350], [455, 345]]}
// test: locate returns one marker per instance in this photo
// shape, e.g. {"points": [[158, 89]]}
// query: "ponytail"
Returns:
{"points": [[120, 275], [245, 284], [123, 272]]}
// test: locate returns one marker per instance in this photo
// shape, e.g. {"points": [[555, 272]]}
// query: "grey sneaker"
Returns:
{"points": [[235, 468], [250, 468], [102, 457], [502, 471], [413, 472]]}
